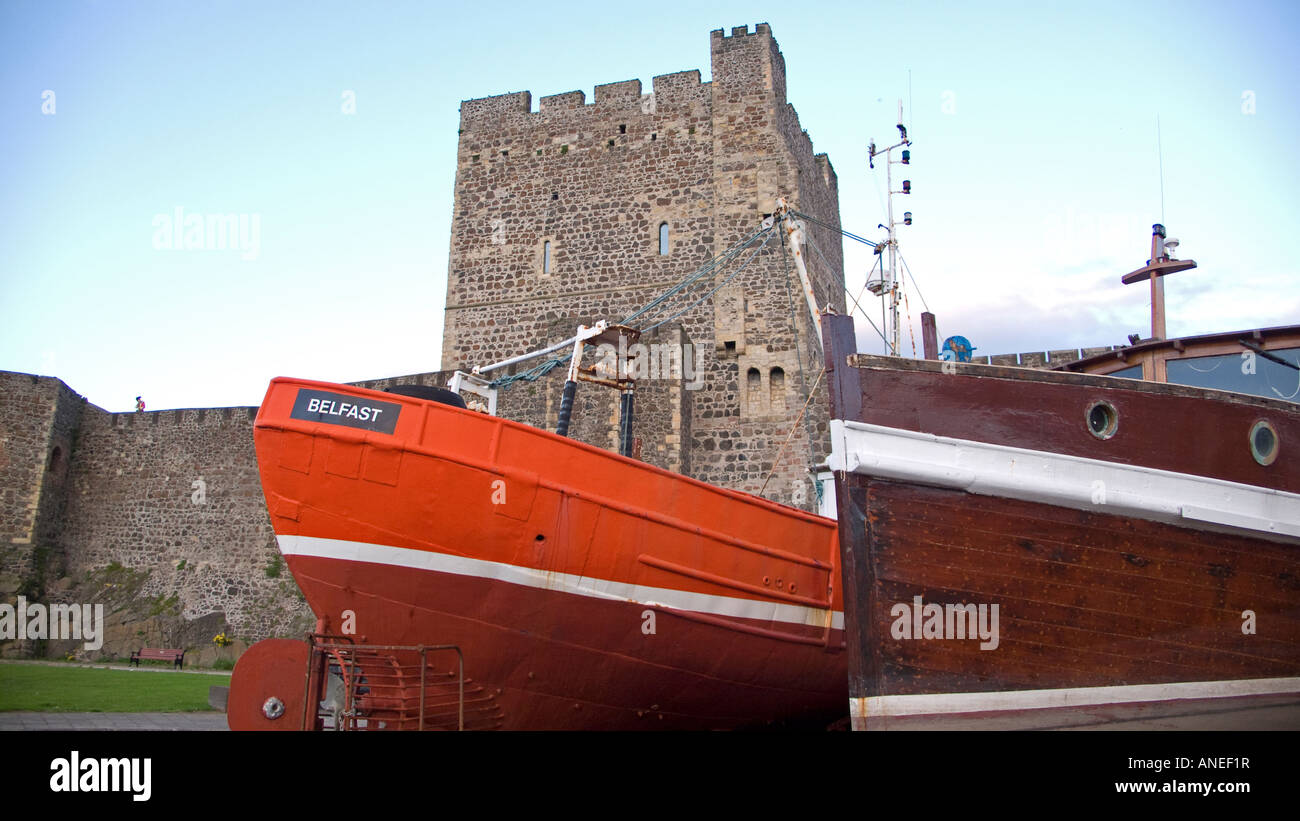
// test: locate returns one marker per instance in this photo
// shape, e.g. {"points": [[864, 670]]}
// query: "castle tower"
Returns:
{"points": [[582, 211]]}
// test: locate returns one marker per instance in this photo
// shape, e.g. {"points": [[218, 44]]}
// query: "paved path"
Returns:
{"points": [[113, 721], [145, 668]]}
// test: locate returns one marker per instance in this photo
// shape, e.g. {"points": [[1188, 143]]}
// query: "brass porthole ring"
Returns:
{"points": [[1263, 442], [1102, 419]]}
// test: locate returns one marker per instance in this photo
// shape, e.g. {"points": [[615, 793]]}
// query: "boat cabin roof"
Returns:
{"points": [[1259, 362]]}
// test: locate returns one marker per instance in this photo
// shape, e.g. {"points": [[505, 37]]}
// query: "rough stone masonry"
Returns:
{"points": [[581, 211], [558, 220]]}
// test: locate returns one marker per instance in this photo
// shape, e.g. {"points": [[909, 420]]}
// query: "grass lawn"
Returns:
{"points": [[56, 689]]}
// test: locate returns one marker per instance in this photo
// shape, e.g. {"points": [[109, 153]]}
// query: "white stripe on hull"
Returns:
{"points": [[1065, 481], [344, 550], [947, 703]]}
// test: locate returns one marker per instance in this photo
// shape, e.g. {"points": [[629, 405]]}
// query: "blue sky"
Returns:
{"points": [[1035, 170]]}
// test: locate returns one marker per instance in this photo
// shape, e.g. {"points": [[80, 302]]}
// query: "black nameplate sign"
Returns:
{"points": [[341, 409]]}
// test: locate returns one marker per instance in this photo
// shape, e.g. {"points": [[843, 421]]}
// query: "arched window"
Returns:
{"points": [[546, 257], [777, 387], [754, 386], [663, 239]]}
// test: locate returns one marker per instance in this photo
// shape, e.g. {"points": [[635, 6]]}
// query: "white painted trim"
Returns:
{"points": [[1066, 481], [343, 550], [946, 703]]}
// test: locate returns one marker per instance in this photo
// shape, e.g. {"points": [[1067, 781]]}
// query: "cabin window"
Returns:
{"points": [[1245, 372], [663, 239], [777, 387], [1134, 372], [546, 257]]}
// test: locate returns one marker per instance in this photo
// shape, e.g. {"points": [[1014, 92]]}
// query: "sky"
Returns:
{"points": [[329, 128]]}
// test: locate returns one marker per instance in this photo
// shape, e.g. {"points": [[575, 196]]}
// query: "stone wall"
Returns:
{"points": [[176, 493], [169, 500], [39, 416]]}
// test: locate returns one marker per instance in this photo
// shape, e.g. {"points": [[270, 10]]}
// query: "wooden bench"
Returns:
{"points": [[157, 654]]}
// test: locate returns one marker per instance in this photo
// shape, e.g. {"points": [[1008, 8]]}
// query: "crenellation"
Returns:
{"points": [[490, 108], [562, 102], [625, 92]]}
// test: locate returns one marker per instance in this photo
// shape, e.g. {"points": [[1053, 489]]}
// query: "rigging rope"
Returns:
{"points": [[858, 305], [801, 215], [538, 371], [776, 462], [907, 268], [730, 277]]}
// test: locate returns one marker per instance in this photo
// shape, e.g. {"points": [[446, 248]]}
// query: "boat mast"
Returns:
{"points": [[892, 284], [1161, 264]]}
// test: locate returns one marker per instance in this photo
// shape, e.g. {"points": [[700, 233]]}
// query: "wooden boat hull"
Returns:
{"points": [[1161, 562], [586, 590]]}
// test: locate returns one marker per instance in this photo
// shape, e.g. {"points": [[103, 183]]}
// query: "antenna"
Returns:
{"points": [[1161, 154], [890, 282]]}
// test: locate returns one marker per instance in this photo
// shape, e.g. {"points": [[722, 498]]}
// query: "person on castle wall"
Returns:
{"points": [[139, 405]]}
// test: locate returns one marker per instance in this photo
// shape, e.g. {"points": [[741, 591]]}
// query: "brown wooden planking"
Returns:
{"points": [[1118, 646], [1157, 568], [1198, 649], [1202, 434]]}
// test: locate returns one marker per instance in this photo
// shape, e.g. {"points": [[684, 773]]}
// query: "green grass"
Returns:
{"points": [[58, 689]]}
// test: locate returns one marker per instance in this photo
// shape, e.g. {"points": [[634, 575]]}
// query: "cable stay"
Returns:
{"points": [[708, 271]]}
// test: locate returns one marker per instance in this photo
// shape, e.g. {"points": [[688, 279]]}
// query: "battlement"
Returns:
{"points": [[518, 102], [172, 417], [561, 102], [762, 29], [627, 91], [669, 90], [1043, 359]]}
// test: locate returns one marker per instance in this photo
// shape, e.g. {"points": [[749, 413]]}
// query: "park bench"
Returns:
{"points": [[157, 654]]}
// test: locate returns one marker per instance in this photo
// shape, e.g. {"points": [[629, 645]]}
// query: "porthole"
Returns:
{"points": [[1263, 442], [1102, 419]]}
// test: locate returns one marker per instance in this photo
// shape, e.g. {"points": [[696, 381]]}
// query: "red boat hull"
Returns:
{"points": [[586, 590]]}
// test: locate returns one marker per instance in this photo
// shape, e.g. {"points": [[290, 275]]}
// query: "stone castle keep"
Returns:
{"points": [[581, 211], [578, 211]]}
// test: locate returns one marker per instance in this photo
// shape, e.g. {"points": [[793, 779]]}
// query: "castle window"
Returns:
{"points": [[546, 257], [777, 387], [663, 239], [754, 385]]}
